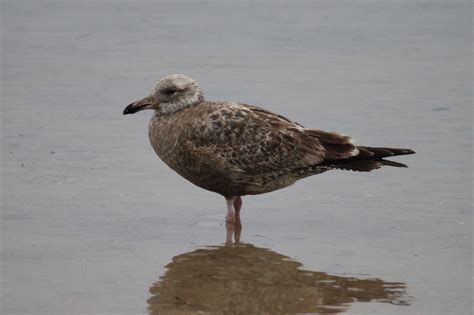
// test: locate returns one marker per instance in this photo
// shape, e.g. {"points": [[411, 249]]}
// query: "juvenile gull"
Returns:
{"points": [[236, 149]]}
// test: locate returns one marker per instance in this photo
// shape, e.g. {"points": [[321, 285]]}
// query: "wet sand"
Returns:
{"points": [[94, 223]]}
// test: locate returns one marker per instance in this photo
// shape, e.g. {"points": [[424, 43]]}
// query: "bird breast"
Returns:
{"points": [[163, 133]]}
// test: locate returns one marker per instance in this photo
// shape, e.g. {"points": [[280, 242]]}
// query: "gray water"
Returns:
{"points": [[90, 217]]}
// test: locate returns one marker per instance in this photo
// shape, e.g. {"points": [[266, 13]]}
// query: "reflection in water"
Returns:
{"points": [[243, 279]]}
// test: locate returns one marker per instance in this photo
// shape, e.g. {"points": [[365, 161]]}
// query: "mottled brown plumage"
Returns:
{"points": [[237, 149]]}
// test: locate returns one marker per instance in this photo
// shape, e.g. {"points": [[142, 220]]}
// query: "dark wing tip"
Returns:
{"points": [[392, 163], [402, 151]]}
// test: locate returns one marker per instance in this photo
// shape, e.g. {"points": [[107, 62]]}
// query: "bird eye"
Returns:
{"points": [[169, 92]]}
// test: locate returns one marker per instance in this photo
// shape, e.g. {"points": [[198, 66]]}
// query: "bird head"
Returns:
{"points": [[171, 94]]}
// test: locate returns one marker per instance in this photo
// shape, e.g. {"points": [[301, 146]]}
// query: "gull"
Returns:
{"points": [[236, 149]]}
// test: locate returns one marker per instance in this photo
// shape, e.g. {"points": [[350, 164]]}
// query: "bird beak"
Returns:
{"points": [[145, 103]]}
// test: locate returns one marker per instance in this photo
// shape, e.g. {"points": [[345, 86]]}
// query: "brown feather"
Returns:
{"points": [[337, 146], [243, 145]]}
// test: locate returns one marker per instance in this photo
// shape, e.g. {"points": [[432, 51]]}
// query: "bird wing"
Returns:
{"points": [[337, 146], [253, 140]]}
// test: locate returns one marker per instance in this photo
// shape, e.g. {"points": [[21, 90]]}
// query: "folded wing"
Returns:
{"points": [[256, 141]]}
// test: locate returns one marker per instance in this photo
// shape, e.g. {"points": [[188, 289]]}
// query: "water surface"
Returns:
{"points": [[241, 278], [91, 218]]}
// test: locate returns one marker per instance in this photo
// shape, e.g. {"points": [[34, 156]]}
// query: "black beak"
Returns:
{"points": [[132, 109], [145, 103]]}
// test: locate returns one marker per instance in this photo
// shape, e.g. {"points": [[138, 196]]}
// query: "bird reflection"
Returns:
{"points": [[240, 278]]}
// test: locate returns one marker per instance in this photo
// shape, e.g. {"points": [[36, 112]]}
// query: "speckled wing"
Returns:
{"points": [[253, 140]]}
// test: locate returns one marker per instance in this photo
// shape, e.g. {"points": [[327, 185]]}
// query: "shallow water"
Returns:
{"points": [[245, 279], [93, 223]]}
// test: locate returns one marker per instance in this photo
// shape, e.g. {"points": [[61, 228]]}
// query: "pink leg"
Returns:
{"points": [[234, 204], [233, 230], [230, 216], [237, 206], [230, 227]]}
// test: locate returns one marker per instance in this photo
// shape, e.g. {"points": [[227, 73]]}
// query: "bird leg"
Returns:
{"points": [[229, 227], [233, 231], [230, 216], [237, 206], [234, 204], [237, 232]]}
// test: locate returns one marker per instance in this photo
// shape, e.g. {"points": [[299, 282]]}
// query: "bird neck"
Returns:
{"points": [[170, 108]]}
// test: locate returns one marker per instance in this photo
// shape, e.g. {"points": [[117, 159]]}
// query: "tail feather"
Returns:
{"points": [[382, 152], [368, 159], [366, 165]]}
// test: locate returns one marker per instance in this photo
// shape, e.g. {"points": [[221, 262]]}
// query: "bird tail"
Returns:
{"points": [[379, 153], [368, 159]]}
